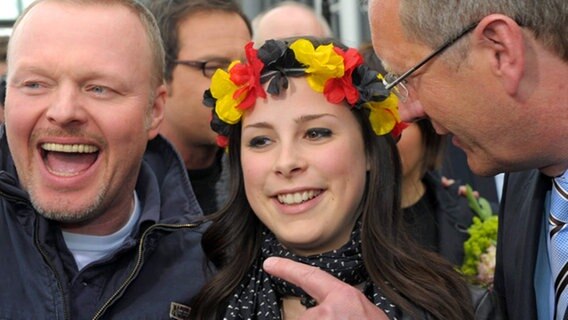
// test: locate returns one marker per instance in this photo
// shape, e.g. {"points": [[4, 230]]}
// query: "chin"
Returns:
{"points": [[485, 169], [304, 246], [66, 211]]}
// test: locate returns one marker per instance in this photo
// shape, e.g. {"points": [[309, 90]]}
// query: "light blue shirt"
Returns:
{"points": [[543, 282], [544, 288], [87, 248], [499, 180]]}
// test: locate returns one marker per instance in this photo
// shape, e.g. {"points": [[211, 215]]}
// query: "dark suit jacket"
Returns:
{"points": [[520, 218]]}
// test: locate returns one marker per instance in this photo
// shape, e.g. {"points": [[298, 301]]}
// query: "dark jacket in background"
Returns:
{"points": [[160, 263], [452, 218], [211, 185]]}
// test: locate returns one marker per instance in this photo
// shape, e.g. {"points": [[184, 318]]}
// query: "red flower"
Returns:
{"points": [[337, 89], [247, 77], [398, 128], [222, 141]]}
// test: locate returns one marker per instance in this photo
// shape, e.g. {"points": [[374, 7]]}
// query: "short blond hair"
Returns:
{"points": [[144, 15]]}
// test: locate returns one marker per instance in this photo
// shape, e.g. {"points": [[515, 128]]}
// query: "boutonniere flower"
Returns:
{"points": [[479, 260]]}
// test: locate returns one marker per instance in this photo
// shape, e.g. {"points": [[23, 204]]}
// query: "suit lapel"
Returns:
{"points": [[520, 222]]}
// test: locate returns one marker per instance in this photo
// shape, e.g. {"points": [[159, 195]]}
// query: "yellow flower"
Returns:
{"points": [[223, 89], [384, 114], [323, 63]]}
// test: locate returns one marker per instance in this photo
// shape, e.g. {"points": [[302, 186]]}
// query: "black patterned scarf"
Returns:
{"points": [[259, 294]]}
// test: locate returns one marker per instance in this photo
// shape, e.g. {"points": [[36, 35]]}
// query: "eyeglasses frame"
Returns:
{"points": [[197, 64], [436, 52]]}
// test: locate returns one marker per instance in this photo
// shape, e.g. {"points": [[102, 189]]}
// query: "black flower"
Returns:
{"points": [[279, 63], [208, 99], [370, 87]]}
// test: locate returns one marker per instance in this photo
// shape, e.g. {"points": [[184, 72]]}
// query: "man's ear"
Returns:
{"points": [[503, 40], [156, 112]]}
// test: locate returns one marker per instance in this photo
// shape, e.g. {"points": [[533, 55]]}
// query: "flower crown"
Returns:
{"points": [[337, 73]]}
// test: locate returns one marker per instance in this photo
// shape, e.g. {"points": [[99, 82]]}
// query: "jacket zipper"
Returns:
{"points": [[138, 265], [128, 280], [59, 285]]}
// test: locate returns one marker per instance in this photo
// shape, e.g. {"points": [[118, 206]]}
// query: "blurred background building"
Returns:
{"points": [[348, 18], [9, 11]]}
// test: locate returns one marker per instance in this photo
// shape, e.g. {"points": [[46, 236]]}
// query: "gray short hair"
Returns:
{"points": [[433, 21]]}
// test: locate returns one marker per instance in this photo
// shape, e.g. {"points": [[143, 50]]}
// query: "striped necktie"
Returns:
{"points": [[558, 245]]}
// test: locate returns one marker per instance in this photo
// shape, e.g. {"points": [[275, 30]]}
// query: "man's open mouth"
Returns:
{"points": [[68, 159]]}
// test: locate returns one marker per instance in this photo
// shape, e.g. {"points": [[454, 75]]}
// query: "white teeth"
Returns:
{"points": [[297, 197], [69, 148]]}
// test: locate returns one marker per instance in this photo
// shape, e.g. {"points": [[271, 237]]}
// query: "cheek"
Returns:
{"points": [[19, 110], [20, 122], [351, 158], [187, 82], [446, 99], [410, 147], [256, 175], [255, 170], [117, 129]]}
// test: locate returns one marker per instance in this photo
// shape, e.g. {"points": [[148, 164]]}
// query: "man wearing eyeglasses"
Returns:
{"points": [[199, 37], [493, 73]]}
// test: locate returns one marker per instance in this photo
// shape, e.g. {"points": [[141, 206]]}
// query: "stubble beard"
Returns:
{"points": [[64, 214]]}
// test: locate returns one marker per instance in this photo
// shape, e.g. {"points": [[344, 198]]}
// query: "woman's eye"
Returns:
{"points": [[318, 133], [258, 142]]}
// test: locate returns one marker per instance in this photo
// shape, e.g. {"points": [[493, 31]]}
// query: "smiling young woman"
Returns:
{"points": [[316, 178]]}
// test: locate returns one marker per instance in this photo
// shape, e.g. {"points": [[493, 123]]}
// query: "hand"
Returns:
{"points": [[336, 299]]}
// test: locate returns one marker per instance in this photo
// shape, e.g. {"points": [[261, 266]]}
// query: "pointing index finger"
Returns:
{"points": [[315, 282]]}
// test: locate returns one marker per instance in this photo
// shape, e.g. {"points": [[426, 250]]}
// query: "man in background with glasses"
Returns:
{"points": [[493, 73], [199, 36]]}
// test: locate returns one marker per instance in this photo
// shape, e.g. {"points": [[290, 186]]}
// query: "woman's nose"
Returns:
{"points": [[290, 160]]}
